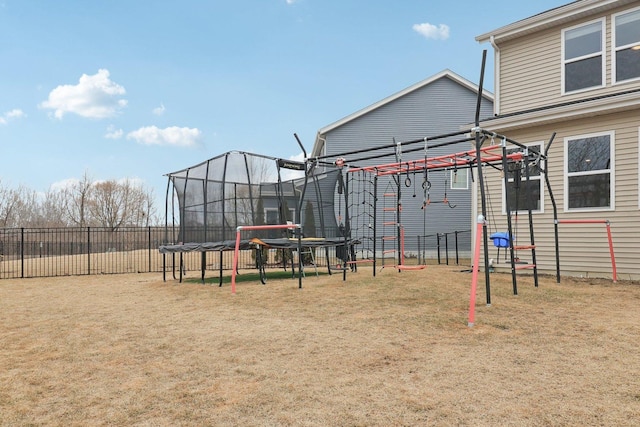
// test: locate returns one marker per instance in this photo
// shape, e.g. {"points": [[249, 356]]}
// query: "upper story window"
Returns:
{"points": [[589, 171], [583, 57], [626, 43]]}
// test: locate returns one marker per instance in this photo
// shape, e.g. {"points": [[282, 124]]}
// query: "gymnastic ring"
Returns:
{"points": [[426, 185], [407, 182]]}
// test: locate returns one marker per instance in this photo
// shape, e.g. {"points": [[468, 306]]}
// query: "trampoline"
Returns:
{"points": [[207, 202]]}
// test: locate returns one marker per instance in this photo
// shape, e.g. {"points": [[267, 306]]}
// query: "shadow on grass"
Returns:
{"points": [[253, 277]]}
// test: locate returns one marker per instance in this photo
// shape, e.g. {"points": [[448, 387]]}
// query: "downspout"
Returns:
{"points": [[496, 74]]}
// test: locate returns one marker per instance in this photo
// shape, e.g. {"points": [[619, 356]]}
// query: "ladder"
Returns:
{"points": [[514, 247], [389, 225]]}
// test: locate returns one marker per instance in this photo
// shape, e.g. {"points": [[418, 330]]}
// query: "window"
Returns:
{"points": [[272, 216], [582, 57], [626, 46], [459, 179], [588, 171], [523, 194]]}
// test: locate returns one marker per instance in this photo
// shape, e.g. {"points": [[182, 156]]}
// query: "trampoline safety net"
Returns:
{"points": [[208, 201]]}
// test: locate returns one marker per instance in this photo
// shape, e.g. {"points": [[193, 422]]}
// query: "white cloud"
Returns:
{"points": [[69, 183], [16, 113], [430, 31], [152, 135], [64, 184], [113, 133], [291, 1], [158, 111], [94, 97]]}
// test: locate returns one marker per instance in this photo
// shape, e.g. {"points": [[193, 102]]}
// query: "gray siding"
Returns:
{"points": [[583, 247], [531, 67], [440, 107]]}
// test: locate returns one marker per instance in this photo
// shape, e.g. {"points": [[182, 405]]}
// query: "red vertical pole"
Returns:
{"points": [[613, 257], [236, 253], [474, 276]]}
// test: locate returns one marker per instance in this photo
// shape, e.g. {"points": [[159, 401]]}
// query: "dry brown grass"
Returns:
{"points": [[386, 351]]}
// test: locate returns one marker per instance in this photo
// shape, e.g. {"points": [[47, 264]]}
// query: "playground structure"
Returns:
{"points": [[239, 190]]}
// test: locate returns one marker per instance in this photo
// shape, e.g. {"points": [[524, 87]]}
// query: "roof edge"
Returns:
{"points": [[558, 14], [444, 73]]}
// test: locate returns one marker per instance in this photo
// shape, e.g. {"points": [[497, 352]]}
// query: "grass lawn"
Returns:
{"points": [[393, 350]]}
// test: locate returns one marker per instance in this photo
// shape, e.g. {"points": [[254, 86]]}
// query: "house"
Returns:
{"points": [[438, 105], [574, 70]]}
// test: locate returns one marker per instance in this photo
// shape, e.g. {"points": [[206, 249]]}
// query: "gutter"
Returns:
{"points": [[496, 76]]}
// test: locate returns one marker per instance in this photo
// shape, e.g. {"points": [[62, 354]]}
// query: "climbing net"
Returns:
{"points": [[361, 208]]}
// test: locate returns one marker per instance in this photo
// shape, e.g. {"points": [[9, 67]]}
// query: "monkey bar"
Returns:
{"points": [[489, 154]]}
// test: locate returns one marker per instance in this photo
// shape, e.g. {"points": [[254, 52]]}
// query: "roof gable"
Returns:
{"points": [[443, 74], [557, 16]]}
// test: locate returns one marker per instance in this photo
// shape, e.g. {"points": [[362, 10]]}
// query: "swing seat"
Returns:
{"points": [[500, 239]]}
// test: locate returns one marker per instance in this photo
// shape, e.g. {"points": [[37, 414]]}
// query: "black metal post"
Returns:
{"points": [[221, 260], [555, 207], [22, 252], [375, 220], [149, 246], [88, 250], [299, 257], [479, 139], [505, 172], [446, 247]]}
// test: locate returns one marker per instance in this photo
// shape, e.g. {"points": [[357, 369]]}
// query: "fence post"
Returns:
{"points": [[457, 254], [88, 250], [22, 252], [446, 247], [149, 241], [438, 246]]}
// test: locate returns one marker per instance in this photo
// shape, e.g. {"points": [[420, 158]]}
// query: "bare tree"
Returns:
{"points": [[27, 211], [52, 208], [9, 206], [115, 204], [148, 212], [84, 203], [77, 201]]}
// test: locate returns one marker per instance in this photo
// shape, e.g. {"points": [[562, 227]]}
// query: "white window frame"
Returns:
{"points": [[603, 49], [539, 145], [611, 170], [463, 174], [615, 49]]}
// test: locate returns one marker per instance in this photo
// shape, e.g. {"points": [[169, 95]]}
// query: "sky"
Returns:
{"points": [[137, 89]]}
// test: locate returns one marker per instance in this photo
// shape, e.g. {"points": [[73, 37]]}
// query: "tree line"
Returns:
{"points": [[83, 203]]}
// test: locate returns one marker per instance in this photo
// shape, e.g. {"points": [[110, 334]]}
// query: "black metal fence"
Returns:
{"points": [[49, 252], [445, 247]]}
